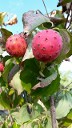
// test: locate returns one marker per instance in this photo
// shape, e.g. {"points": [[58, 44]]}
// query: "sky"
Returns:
{"points": [[19, 7]]}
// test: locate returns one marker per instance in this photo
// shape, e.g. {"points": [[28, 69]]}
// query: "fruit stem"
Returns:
{"points": [[42, 66], [53, 112]]}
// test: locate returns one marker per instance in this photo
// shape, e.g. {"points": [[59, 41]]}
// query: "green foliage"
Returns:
{"points": [[15, 125], [5, 33], [16, 83], [66, 45], [5, 103], [37, 117], [29, 73], [65, 101], [48, 85], [26, 84], [9, 65]]}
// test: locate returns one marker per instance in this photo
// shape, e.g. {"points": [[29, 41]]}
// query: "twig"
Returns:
{"points": [[45, 7], [4, 112], [53, 112], [71, 14], [70, 9]]}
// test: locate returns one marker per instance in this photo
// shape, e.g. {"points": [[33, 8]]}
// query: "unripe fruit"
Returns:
{"points": [[47, 45], [16, 45], [1, 67]]}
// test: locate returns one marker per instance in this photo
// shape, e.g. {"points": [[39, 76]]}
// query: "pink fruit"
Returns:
{"points": [[47, 45], [1, 67], [16, 45]]}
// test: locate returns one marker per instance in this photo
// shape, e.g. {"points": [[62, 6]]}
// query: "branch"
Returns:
{"points": [[53, 112], [68, 14], [4, 112], [45, 7], [2, 40], [57, 20]]}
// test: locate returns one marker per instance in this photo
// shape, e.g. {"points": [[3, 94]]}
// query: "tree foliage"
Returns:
{"points": [[26, 84]]}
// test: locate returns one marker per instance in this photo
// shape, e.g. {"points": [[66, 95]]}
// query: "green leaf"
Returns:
{"points": [[29, 78], [59, 14], [22, 116], [45, 26], [32, 19], [65, 123], [65, 102], [49, 83], [13, 71], [59, 19], [49, 124], [30, 73], [66, 45], [37, 110], [48, 90], [15, 125], [16, 83], [65, 71], [5, 125], [7, 69], [4, 100], [7, 57], [45, 82], [69, 116], [70, 126], [2, 82], [11, 91], [66, 41], [5, 33]]}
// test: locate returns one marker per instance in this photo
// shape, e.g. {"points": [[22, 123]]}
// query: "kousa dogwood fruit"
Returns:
{"points": [[1, 67], [16, 45], [47, 45]]}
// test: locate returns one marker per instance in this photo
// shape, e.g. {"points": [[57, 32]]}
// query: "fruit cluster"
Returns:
{"points": [[46, 45]]}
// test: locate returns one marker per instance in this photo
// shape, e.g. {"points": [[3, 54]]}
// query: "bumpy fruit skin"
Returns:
{"points": [[1, 67], [47, 45], [16, 45]]}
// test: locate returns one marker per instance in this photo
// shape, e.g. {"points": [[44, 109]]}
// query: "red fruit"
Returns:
{"points": [[1, 67], [16, 45], [47, 45]]}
